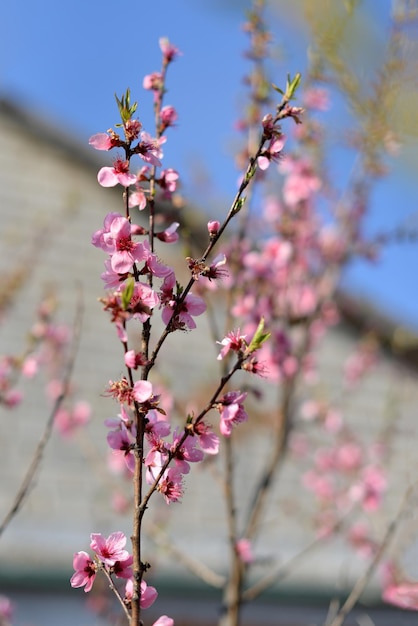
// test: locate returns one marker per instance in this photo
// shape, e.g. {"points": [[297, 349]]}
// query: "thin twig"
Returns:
{"points": [[283, 570], [202, 571], [339, 618], [37, 457], [117, 594]]}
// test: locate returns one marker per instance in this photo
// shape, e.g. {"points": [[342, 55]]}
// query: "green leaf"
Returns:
{"points": [[259, 338], [277, 89], [239, 205], [126, 109], [292, 85], [128, 292]]}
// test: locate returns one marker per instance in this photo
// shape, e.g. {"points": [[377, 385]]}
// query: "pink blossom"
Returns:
{"points": [[168, 116], [120, 503], [100, 239], [155, 459], [54, 388], [216, 269], [149, 149], [187, 453], [333, 244], [156, 427], [171, 485], [148, 594], [134, 359], [30, 367], [6, 610], [164, 621], [168, 182], [102, 141], [119, 174], [142, 390], [155, 266], [399, 592], [301, 181], [316, 98], [117, 463], [120, 440], [123, 419], [298, 445], [192, 305], [360, 362], [111, 549], [404, 595], [273, 209], [271, 153], [132, 129], [369, 491], [359, 537], [348, 456], [302, 300], [67, 421], [116, 239], [170, 234], [170, 52], [322, 486], [258, 368], [245, 551], [333, 420], [123, 569], [12, 398], [208, 441], [85, 571], [213, 227], [289, 366], [233, 341], [121, 391], [153, 81], [143, 300], [270, 128], [231, 411], [137, 198], [124, 252]]}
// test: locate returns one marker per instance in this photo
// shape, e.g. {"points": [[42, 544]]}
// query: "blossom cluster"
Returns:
{"points": [[134, 298], [185, 447], [110, 555], [138, 284], [46, 352]]}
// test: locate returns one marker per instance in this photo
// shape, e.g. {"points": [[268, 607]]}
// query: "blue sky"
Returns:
{"points": [[66, 60]]}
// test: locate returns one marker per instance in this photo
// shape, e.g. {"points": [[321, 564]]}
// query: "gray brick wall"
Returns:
{"points": [[46, 185]]}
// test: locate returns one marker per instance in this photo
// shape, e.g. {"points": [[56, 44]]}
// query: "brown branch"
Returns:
{"points": [[37, 457], [283, 570], [359, 587], [117, 594], [160, 537]]}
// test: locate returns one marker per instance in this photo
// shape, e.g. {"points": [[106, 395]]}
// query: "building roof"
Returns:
{"points": [[49, 133], [358, 314]]}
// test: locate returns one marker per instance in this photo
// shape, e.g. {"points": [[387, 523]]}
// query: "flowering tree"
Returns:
{"points": [[277, 274], [132, 268]]}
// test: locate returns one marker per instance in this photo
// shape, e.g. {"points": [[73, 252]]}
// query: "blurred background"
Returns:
{"points": [[66, 63], [60, 68]]}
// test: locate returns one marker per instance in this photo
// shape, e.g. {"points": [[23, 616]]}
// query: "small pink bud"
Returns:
{"points": [[168, 115], [213, 227]]}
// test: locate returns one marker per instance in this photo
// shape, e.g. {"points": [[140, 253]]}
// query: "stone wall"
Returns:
{"points": [[50, 205]]}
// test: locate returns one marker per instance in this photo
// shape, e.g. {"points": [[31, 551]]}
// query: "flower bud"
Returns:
{"points": [[213, 227]]}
